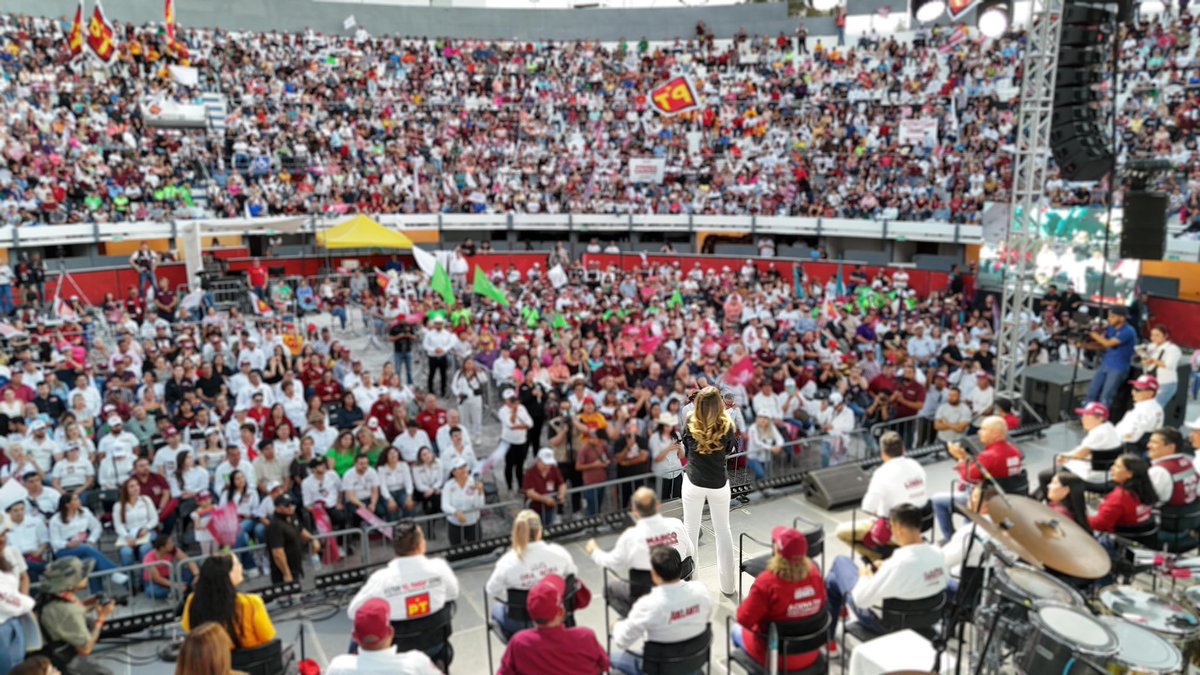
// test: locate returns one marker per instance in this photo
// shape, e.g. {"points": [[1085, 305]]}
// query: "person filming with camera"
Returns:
{"points": [[1116, 344]]}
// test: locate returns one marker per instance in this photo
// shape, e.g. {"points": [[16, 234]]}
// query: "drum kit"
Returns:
{"points": [[1033, 620]]}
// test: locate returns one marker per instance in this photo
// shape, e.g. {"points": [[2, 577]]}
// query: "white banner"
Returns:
{"points": [[646, 169], [557, 276], [919, 131]]}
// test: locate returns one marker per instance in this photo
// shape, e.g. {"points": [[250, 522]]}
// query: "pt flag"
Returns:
{"points": [[75, 37], [102, 40], [675, 96], [174, 45]]}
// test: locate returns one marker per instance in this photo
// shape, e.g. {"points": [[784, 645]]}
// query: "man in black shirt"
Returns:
{"points": [[401, 335], [951, 354], [48, 403], [985, 357], [208, 384], [286, 541]]}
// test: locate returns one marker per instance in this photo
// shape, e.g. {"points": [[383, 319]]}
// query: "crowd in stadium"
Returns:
{"points": [[177, 437], [389, 125]]}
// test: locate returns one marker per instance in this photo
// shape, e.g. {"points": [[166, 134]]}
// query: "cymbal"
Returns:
{"points": [[1001, 537], [1056, 540]]}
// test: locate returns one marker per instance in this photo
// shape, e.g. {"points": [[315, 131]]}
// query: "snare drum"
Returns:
{"points": [[1013, 591], [1156, 613], [1065, 636], [1141, 651]]}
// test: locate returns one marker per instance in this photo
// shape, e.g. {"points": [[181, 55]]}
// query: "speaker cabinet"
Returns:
{"points": [[836, 486], [1144, 227]]}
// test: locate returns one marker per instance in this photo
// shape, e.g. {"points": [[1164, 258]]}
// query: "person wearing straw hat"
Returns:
{"points": [[666, 456], [70, 635]]}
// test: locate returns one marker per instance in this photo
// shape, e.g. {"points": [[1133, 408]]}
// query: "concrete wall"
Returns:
{"points": [[294, 15]]}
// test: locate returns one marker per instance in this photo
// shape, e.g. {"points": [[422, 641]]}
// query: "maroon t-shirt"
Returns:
{"points": [[154, 486], [543, 485]]}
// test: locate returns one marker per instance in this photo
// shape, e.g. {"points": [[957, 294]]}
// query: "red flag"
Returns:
{"points": [[382, 280], [650, 344], [169, 21], [101, 38], [741, 372], [675, 96], [956, 8], [75, 37]]}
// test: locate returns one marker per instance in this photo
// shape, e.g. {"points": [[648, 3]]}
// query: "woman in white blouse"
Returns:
{"points": [[762, 441], [397, 480], [75, 531], [462, 498], [666, 457], [427, 480], [245, 497], [1162, 360], [134, 518], [19, 464], [11, 407]]}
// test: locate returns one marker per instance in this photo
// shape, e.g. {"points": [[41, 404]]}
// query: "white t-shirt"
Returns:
{"points": [[1170, 354], [913, 572], [521, 573], [1143, 418], [72, 474], [632, 550], [896, 481]]}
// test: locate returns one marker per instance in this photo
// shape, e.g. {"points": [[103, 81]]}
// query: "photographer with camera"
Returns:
{"points": [[1116, 345]]}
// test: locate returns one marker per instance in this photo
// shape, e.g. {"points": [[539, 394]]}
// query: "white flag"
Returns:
{"points": [[558, 277], [185, 75], [349, 22], [426, 262]]}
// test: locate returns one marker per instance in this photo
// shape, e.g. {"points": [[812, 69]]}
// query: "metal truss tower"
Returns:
{"points": [[1028, 192]]}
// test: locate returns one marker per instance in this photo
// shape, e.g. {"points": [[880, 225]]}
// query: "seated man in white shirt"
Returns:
{"points": [[413, 585], [373, 635], [674, 612], [632, 551], [1145, 416], [899, 480], [915, 571], [955, 551], [1100, 447]]}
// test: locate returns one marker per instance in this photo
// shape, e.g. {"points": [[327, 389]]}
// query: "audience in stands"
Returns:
{"points": [[373, 635], [216, 599], [15, 604], [524, 565], [552, 647], [674, 612], [410, 570], [915, 570], [790, 589], [898, 480], [205, 650]]}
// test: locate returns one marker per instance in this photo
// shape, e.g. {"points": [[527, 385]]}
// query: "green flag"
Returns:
{"points": [[676, 300], [559, 322], [440, 283], [485, 287], [607, 315]]}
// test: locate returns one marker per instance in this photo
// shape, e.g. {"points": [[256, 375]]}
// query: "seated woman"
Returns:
{"points": [[1130, 505], [1066, 494], [216, 599], [790, 589], [526, 563], [157, 577], [74, 531]]}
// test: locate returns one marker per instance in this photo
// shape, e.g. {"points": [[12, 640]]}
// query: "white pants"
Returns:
{"points": [[471, 411], [718, 509]]}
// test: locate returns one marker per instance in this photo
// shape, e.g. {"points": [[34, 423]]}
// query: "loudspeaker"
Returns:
{"points": [[836, 486], [1144, 228], [1051, 393]]}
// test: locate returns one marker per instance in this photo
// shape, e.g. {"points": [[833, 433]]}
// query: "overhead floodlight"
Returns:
{"points": [[824, 5], [992, 18], [928, 10], [1152, 7]]}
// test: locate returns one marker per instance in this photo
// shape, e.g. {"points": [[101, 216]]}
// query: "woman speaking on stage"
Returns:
{"points": [[708, 437]]}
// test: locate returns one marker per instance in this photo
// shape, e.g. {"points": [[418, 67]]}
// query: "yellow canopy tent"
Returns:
{"points": [[362, 232]]}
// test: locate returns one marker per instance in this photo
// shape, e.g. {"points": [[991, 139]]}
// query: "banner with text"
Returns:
{"points": [[646, 169]]}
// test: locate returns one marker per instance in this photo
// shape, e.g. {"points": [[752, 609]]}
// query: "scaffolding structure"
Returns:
{"points": [[1028, 200]]}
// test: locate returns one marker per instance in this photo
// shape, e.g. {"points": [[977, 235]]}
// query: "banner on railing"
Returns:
{"points": [[647, 169]]}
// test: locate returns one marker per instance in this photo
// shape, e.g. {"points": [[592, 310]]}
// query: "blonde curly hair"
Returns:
{"points": [[709, 424]]}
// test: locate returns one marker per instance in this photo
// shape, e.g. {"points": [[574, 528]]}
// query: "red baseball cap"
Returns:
{"points": [[792, 543], [545, 599], [373, 623], [1095, 408], [1145, 382]]}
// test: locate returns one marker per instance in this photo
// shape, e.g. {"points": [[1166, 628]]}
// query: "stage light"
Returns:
{"points": [[928, 10], [992, 18], [1152, 7]]}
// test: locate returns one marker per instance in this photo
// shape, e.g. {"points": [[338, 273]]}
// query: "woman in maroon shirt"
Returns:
{"points": [[1130, 504], [790, 589]]}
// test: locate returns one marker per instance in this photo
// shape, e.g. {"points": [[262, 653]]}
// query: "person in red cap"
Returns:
{"points": [[1145, 416], [1101, 445], [551, 648], [790, 589], [373, 635]]}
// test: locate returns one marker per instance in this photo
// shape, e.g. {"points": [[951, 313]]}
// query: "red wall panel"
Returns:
{"points": [[1180, 317]]}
